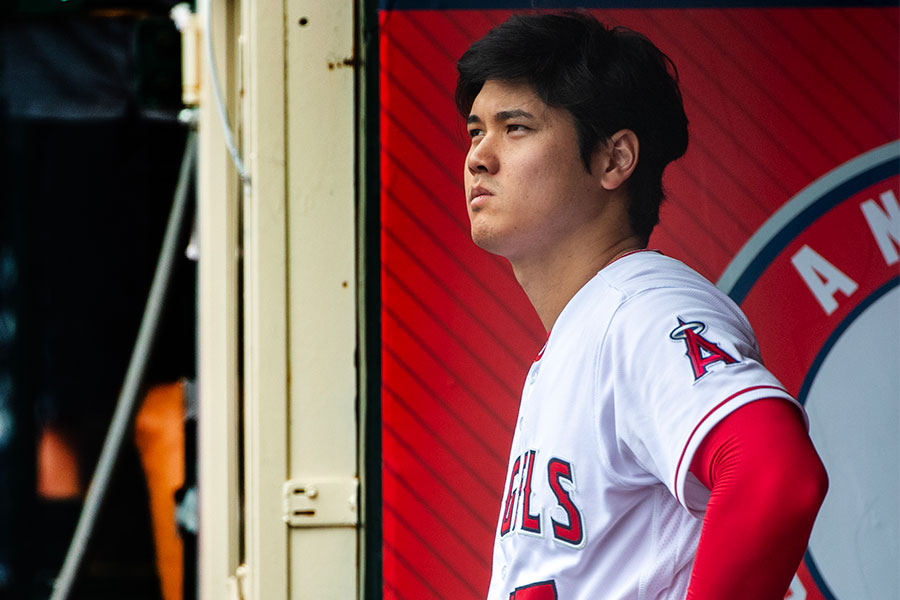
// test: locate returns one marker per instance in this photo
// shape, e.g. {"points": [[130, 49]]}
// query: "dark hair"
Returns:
{"points": [[607, 78]]}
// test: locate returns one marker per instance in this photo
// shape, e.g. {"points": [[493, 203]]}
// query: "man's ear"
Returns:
{"points": [[617, 159]]}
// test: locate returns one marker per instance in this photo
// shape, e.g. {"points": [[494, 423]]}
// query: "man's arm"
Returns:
{"points": [[767, 484]]}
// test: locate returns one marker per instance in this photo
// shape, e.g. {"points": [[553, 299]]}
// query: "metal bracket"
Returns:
{"points": [[321, 502], [188, 23]]}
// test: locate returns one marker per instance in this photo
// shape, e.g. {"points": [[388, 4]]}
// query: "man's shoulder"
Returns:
{"points": [[654, 287], [651, 271], [635, 286], [644, 291]]}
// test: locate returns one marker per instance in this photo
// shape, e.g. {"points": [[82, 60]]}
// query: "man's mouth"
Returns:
{"points": [[478, 195]]}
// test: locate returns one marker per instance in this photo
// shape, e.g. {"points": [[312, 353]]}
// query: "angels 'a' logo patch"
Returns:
{"points": [[700, 351], [820, 281]]}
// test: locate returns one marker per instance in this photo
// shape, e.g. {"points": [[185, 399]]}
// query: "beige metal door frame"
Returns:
{"points": [[322, 284], [291, 66], [218, 335]]}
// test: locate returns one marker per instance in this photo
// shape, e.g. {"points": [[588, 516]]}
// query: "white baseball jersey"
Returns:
{"points": [[599, 503]]}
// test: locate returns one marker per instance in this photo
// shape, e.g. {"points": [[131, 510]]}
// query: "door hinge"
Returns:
{"points": [[321, 502]]}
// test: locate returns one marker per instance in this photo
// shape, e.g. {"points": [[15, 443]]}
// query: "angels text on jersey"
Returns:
{"points": [[521, 515]]}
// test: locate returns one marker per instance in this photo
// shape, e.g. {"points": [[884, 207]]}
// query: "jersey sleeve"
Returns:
{"points": [[682, 359]]}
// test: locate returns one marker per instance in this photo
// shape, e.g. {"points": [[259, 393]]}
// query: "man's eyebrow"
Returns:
{"points": [[503, 115], [516, 113]]}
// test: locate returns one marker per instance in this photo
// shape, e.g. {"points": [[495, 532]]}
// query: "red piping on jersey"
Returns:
{"points": [[707, 415]]}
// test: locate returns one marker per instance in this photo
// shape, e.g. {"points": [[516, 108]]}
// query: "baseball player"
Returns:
{"points": [[654, 456]]}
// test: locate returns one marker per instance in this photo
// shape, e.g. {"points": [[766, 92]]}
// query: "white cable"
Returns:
{"points": [[220, 104]]}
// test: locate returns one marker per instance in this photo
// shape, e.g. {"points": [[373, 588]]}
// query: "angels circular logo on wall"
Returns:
{"points": [[819, 283]]}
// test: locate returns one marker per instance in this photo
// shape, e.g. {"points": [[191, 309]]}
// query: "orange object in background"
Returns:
{"points": [[159, 436], [58, 476]]}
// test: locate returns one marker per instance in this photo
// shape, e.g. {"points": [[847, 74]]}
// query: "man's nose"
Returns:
{"points": [[482, 157]]}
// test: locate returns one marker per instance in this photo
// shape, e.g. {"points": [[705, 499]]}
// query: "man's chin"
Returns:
{"points": [[488, 243]]}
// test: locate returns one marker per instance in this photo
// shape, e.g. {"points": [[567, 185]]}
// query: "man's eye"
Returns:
{"points": [[516, 127], [474, 132]]}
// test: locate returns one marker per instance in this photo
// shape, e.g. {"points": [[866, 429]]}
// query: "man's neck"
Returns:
{"points": [[552, 279]]}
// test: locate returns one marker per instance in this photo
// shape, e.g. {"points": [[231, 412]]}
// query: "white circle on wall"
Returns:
{"points": [[854, 404]]}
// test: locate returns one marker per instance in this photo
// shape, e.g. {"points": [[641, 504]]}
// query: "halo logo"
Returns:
{"points": [[700, 351], [819, 283]]}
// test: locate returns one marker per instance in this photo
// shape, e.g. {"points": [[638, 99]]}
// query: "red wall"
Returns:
{"points": [[776, 97]]}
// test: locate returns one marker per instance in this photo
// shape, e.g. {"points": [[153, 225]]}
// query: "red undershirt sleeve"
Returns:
{"points": [[767, 484]]}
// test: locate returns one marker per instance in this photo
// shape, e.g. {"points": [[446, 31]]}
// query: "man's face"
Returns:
{"points": [[526, 186]]}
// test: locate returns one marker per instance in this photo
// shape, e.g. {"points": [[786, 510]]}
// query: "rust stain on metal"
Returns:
{"points": [[350, 62]]}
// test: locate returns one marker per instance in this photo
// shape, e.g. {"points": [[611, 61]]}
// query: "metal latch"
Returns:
{"points": [[321, 502]]}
